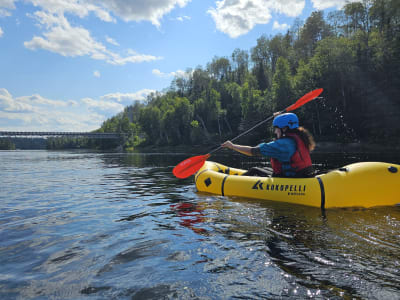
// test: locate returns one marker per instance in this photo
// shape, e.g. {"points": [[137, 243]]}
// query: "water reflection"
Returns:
{"points": [[191, 216], [120, 226], [344, 253]]}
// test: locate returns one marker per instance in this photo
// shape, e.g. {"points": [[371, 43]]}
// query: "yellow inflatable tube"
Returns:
{"points": [[363, 184]]}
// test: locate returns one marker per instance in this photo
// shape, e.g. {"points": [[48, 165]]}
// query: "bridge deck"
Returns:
{"points": [[104, 135]]}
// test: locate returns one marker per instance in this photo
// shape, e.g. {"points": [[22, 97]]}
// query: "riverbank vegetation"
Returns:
{"points": [[6, 144], [354, 54]]}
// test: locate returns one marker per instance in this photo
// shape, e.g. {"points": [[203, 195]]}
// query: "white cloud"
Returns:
{"points": [[143, 10], [9, 104], [5, 6], [103, 106], [111, 41], [27, 103], [238, 17], [39, 113], [158, 73], [116, 59], [138, 10], [278, 26], [64, 39], [39, 100], [75, 7], [1, 32], [128, 98], [96, 74], [291, 8], [178, 73], [183, 18], [323, 4], [59, 36]]}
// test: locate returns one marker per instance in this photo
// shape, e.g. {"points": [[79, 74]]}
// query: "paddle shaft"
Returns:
{"points": [[255, 126], [247, 131], [193, 164]]}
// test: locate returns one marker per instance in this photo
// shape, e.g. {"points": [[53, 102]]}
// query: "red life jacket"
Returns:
{"points": [[300, 159]]}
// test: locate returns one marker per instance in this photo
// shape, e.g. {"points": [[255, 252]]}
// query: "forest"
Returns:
{"points": [[6, 144], [353, 54]]}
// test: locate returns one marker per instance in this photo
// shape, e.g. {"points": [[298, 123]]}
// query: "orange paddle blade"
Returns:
{"points": [[189, 166], [306, 98]]}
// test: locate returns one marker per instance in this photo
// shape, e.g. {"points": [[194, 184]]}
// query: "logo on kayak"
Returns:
{"points": [[291, 189]]}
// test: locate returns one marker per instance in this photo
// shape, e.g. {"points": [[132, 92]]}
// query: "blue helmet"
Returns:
{"points": [[289, 119]]}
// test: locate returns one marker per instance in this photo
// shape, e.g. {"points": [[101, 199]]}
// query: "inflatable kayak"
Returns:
{"points": [[363, 184]]}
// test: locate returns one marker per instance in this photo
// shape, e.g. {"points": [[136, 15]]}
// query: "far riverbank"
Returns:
{"points": [[322, 147]]}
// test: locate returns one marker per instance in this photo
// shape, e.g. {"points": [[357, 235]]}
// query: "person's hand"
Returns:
{"points": [[277, 114], [227, 144]]}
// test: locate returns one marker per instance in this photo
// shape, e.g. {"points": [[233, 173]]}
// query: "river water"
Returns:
{"points": [[81, 225]]}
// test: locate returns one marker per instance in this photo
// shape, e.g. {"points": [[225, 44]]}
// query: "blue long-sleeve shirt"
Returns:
{"points": [[282, 150]]}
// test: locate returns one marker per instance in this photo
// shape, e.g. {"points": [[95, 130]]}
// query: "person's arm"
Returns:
{"points": [[281, 149], [247, 150]]}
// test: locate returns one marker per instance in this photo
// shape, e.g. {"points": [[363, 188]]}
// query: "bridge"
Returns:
{"points": [[44, 134]]}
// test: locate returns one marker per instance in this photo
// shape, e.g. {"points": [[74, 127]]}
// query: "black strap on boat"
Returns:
{"points": [[223, 185], [321, 185], [219, 169]]}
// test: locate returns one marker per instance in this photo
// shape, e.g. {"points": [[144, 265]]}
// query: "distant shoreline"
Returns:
{"points": [[321, 147], [324, 147]]}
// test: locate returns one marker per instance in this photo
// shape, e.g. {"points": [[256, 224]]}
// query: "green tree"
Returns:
{"points": [[234, 105], [314, 30], [240, 59], [260, 56], [198, 83], [282, 90], [6, 144], [219, 68], [150, 122], [353, 55]]}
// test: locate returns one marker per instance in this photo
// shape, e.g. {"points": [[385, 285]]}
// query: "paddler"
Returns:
{"points": [[289, 152]]}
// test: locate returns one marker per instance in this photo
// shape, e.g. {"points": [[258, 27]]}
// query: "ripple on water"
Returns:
{"points": [[117, 226]]}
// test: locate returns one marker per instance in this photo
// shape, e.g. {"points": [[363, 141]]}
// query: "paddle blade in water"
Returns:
{"points": [[306, 98], [189, 166]]}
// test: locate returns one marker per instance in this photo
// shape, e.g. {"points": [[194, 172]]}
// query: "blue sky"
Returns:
{"points": [[68, 65]]}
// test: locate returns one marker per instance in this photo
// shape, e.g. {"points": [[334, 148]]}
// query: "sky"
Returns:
{"points": [[68, 65]]}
